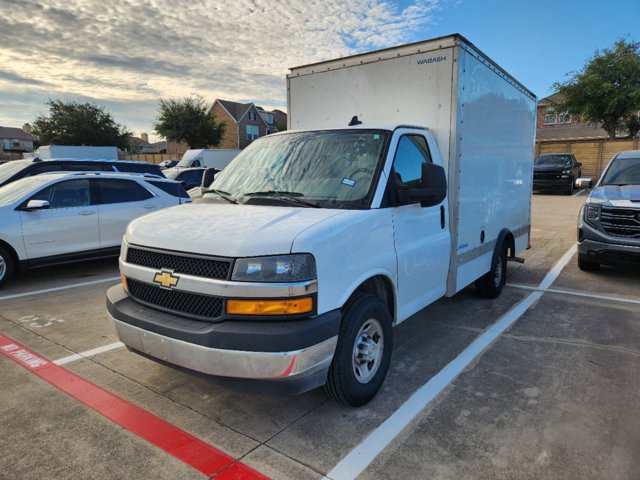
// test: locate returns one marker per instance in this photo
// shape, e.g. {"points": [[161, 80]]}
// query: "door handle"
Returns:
{"points": [[149, 206], [442, 217], [84, 214]]}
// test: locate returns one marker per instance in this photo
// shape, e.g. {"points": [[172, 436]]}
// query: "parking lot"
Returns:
{"points": [[539, 383]]}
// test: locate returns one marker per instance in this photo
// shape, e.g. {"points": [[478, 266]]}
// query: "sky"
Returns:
{"points": [[125, 55]]}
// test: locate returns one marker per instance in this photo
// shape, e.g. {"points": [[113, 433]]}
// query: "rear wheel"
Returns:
{"points": [[6, 266], [363, 352], [491, 283], [587, 265]]}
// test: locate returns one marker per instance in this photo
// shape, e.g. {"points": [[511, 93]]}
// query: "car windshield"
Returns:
{"points": [[333, 168], [9, 169], [553, 160], [16, 190], [622, 171]]}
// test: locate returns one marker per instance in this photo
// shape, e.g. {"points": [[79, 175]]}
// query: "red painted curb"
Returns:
{"points": [[191, 450]]}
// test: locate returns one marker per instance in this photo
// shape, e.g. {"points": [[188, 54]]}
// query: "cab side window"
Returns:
{"points": [[72, 193], [411, 153]]}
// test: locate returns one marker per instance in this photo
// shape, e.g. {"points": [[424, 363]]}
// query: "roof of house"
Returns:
{"points": [[236, 110], [10, 132], [543, 102], [570, 132]]}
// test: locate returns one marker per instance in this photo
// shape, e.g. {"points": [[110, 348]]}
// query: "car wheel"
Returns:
{"points": [[6, 266], [570, 188], [491, 283], [587, 265], [363, 352]]}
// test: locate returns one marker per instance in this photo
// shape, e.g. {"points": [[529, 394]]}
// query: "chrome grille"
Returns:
{"points": [[621, 222], [200, 307], [180, 263]]}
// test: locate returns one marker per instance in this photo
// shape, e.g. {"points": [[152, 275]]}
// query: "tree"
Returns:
{"points": [[607, 89], [187, 121], [73, 123]]}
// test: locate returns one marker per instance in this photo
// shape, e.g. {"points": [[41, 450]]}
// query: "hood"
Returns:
{"points": [[617, 195], [225, 230]]}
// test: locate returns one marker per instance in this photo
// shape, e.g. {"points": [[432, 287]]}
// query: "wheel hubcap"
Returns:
{"points": [[3, 268], [367, 350]]}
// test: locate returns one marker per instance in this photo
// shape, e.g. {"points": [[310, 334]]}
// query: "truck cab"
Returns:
{"points": [[283, 210]]}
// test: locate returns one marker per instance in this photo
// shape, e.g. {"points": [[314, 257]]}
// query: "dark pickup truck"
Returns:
{"points": [[556, 171]]}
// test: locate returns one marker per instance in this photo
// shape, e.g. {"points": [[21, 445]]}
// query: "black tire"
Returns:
{"points": [[570, 188], [352, 380], [587, 265], [491, 283], [6, 266]]}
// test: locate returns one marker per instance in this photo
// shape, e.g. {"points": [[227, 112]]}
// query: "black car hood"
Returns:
{"points": [[628, 194]]}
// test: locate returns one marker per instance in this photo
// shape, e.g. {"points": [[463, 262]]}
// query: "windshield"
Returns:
{"points": [[16, 190], [9, 169], [622, 171], [328, 168], [553, 160]]}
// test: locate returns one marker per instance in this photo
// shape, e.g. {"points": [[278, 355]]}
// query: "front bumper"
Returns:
{"points": [[561, 184], [296, 352], [606, 249]]}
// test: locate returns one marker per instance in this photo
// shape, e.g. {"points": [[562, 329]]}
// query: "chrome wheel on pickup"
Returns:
{"points": [[363, 352]]}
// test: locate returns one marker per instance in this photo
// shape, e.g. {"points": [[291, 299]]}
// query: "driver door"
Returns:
{"points": [[69, 225]]}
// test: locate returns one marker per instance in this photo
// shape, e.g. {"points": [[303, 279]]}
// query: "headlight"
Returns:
{"points": [[566, 172], [276, 269], [591, 213]]}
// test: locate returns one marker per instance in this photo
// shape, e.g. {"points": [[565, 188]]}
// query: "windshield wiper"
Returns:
{"points": [[293, 197], [222, 194]]}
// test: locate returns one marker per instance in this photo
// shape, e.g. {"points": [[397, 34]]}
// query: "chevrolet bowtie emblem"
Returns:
{"points": [[166, 278]]}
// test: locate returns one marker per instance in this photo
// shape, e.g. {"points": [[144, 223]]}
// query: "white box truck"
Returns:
{"points": [[210, 158], [291, 271], [48, 152]]}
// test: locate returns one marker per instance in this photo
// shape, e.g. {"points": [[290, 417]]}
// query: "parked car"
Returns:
{"points": [[65, 217], [12, 171], [556, 171], [167, 164], [609, 222], [189, 177]]}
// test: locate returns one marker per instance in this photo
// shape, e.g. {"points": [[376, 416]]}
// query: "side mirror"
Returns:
{"points": [[584, 182], [37, 205], [578, 164], [207, 177], [433, 187]]}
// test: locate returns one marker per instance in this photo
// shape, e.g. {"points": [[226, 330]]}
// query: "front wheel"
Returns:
{"points": [[587, 265], [363, 352], [491, 283], [6, 266]]}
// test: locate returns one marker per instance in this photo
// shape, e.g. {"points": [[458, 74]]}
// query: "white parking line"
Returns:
{"points": [[57, 289], [579, 192], [576, 294], [88, 353], [360, 457]]}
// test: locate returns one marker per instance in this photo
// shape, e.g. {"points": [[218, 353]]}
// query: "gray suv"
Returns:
{"points": [[609, 222]]}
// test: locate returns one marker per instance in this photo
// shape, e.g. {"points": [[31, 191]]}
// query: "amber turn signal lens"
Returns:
{"points": [[124, 281], [270, 307]]}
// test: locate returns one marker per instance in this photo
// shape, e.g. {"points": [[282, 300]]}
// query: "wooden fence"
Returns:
{"points": [[154, 158], [593, 154]]}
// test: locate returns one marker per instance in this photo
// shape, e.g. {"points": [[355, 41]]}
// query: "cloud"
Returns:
{"points": [[124, 52]]}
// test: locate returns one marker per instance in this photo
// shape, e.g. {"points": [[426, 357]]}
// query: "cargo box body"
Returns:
{"points": [[483, 121]]}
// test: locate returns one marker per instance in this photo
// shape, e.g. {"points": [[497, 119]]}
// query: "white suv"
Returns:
{"points": [[64, 217]]}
